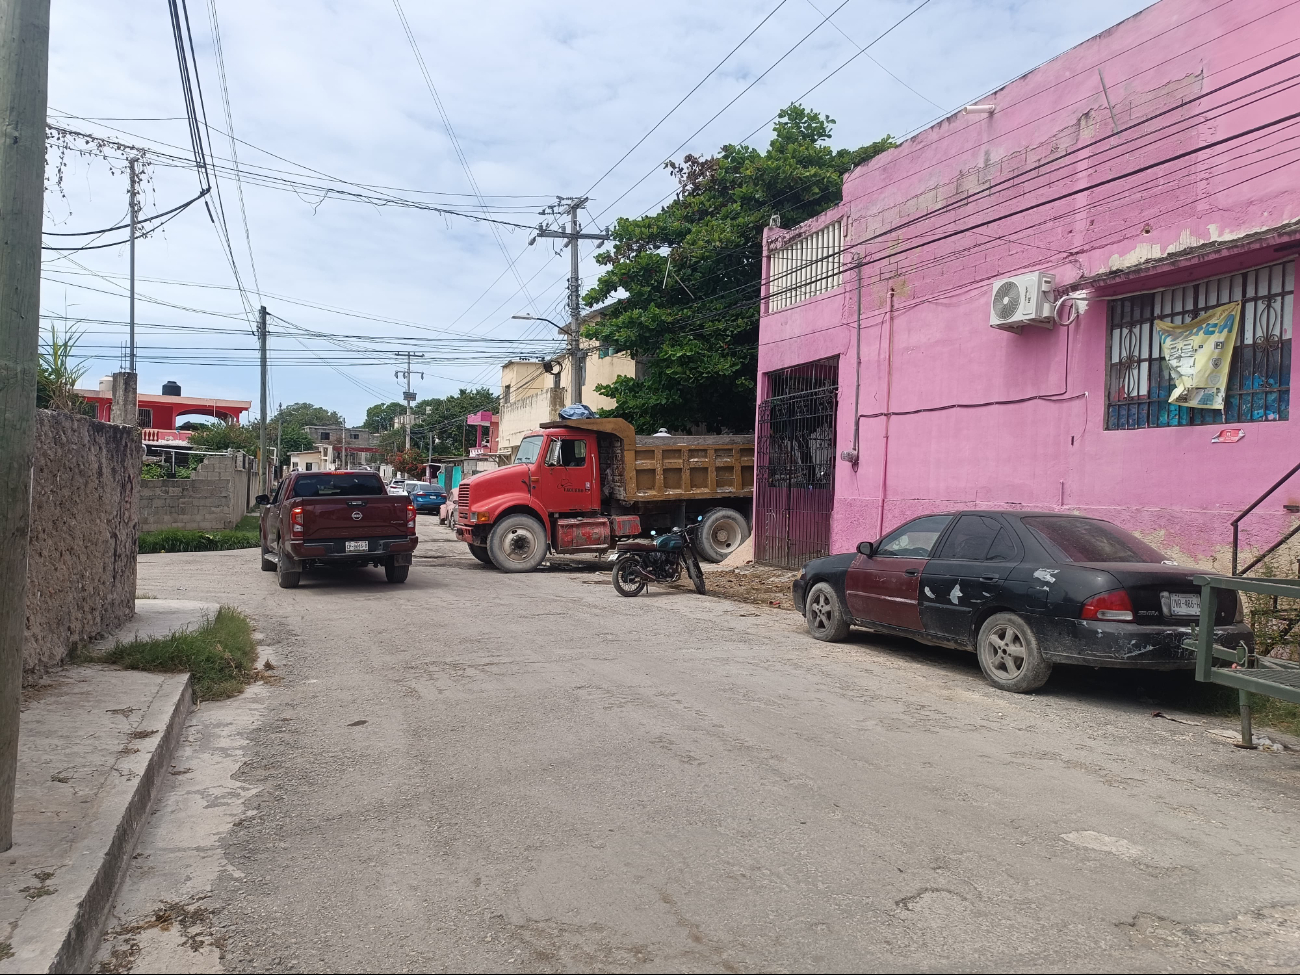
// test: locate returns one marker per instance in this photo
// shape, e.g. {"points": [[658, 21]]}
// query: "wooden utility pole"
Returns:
{"points": [[24, 83]]}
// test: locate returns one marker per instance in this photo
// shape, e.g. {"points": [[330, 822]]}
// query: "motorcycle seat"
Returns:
{"points": [[638, 545]]}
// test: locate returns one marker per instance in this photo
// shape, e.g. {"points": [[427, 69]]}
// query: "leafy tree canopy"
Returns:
{"points": [[305, 415], [688, 277], [441, 416], [225, 436]]}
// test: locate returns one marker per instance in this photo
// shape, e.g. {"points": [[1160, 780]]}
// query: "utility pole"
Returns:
{"points": [[572, 205], [134, 177], [409, 396], [24, 88], [279, 435], [261, 438]]}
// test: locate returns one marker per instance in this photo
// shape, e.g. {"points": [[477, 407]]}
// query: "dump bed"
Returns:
{"points": [[636, 468]]}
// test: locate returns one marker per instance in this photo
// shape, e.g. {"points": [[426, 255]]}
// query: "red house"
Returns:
{"points": [[159, 411]]}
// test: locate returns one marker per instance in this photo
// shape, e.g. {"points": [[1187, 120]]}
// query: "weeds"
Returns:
{"points": [[219, 655], [188, 540]]}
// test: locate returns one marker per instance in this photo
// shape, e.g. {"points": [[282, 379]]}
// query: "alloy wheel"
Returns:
{"points": [[1006, 652], [821, 613]]}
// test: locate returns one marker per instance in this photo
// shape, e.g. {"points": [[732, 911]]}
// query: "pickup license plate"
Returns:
{"points": [[1181, 604], [365, 547]]}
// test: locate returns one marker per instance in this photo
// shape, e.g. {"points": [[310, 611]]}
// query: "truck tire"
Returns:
{"points": [[288, 573], [480, 552], [517, 543], [721, 533], [267, 564], [396, 573]]}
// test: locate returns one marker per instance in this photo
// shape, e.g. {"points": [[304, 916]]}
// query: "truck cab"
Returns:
{"points": [[579, 486]]}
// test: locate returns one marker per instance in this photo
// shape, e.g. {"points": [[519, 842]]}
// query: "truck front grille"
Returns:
{"points": [[462, 503]]}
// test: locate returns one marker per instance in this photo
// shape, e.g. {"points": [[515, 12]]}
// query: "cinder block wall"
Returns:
{"points": [[83, 536], [216, 496]]}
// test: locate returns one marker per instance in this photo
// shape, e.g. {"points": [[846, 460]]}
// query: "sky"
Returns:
{"points": [[329, 103]]}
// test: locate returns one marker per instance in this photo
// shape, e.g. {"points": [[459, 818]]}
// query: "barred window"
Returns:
{"points": [[1138, 382], [805, 267]]}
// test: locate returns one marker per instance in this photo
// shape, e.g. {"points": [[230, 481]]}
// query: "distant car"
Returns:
{"points": [[428, 497], [397, 486], [1023, 589]]}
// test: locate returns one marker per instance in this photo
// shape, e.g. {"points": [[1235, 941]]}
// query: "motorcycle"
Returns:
{"points": [[640, 561]]}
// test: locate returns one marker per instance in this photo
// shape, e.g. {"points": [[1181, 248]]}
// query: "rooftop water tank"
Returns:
{"points": [[171, 388]]}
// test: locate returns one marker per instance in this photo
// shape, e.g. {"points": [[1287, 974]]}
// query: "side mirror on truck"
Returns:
{"points": [[261, 499]]}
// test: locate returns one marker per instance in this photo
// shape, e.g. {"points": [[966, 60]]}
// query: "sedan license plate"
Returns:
{"points": [[356, 546], [1182, 604]]}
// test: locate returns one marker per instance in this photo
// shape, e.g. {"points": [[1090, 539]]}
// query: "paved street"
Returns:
{"points": [[481, 772]]}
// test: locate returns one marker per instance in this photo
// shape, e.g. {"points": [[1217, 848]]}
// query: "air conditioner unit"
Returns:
{"points": [[1026, 299]]}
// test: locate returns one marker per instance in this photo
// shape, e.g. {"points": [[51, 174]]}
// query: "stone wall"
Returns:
{"points": [[83, 537], [215, 496]]}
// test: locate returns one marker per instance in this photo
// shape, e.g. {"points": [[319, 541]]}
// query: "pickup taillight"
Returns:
{"points": [[410, 517], [295, 519]]}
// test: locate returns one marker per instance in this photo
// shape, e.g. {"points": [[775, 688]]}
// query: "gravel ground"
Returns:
{"points": [[482, 772]]}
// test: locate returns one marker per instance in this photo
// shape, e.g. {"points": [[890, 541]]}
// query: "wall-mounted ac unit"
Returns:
{"points": [[1026, 299]]}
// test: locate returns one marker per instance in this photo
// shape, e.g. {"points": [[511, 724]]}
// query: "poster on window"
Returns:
{"points": [[1199, 353]]}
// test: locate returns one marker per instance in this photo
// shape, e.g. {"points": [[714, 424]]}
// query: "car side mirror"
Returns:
{"points": [[261, 499], [867, 548]]}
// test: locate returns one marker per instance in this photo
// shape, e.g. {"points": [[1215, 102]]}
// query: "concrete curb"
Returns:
{"points": [[169, 710]]}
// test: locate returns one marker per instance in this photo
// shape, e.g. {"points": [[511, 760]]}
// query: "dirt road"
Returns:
{"points": [[482, 772]]}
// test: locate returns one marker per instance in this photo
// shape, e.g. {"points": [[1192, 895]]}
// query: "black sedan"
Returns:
{"points": [[1023, 589]]}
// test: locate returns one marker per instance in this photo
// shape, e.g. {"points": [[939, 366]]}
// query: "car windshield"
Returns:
{"points": [[1092, 540], [333, 485], [529, 447]]}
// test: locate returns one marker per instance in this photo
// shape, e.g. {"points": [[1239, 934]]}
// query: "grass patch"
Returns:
{"points": [[219, 655], [188, 540], [249, 523]]}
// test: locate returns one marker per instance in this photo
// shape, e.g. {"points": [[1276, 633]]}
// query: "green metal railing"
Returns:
{"points": [[1248, 673]]}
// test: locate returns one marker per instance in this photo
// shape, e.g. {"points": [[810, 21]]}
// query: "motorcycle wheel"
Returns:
{"points": [[628, 583], [694, 571]]}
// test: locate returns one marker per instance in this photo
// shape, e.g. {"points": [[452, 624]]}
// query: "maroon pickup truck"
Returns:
{"points": [[335, 518]]}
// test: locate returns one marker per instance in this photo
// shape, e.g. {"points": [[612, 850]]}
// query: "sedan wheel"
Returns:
{"points": [[826, 620], [1009, 655]]}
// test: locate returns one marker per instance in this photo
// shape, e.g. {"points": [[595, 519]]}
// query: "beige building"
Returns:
{"points": [[533, 392]]}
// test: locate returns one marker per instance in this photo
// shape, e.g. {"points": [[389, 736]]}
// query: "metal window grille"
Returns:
{"points": [[804, 267], [1138, 383], [794, 482]]}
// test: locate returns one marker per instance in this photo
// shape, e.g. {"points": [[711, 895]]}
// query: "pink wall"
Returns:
{"points": [[1181, 75]]}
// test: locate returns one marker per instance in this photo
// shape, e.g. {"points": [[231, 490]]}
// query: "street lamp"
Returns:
{"points": [[575, 351]]}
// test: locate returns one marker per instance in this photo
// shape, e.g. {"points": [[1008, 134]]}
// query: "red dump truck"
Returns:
{"points": [[577, 486]]}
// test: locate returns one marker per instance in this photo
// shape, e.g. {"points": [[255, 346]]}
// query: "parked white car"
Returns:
{"points": [[397, 485]]}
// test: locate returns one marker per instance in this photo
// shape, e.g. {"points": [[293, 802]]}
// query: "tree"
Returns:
{"points": [[443, 416], [380, 416], [688, 277], [292, 438], [225, 436], [306, 415]]}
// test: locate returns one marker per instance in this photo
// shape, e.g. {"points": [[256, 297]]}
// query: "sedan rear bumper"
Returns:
{"points": [[1099, 644]]}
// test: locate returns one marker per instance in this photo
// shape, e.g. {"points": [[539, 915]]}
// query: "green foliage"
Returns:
{"points": [[57, 374], [190, 540], [293, 438], [443, 416], [153, 472], [225, 436], [299, 415], [219, 655], [408, 462], [698, 333]]}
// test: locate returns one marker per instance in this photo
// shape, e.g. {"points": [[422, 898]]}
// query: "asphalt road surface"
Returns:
{"points": [[483, 772]]}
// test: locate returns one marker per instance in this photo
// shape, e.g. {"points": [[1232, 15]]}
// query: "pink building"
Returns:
{"points": [[1153, 171]]}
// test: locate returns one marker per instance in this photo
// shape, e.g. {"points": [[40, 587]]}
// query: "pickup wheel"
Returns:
{"points": [[479, 552], [721, 533], [287, 572], [396, 573], [268, 565], [517, 543]]}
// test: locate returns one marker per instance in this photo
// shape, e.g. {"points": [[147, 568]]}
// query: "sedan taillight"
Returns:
{"points": [[410, 517], [1114, 606], [295, 518]]}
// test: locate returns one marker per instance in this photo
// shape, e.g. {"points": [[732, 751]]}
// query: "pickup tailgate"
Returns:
{"points": [[355, 517]]}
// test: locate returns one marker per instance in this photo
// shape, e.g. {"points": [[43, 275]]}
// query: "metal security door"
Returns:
{"points": [[794, 477]]}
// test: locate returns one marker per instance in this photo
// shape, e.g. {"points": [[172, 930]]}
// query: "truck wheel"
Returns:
{"points": [[287, 572], [479, 552], [396, 573], [267, 564], [1009, 655], [517, 543], [721, 533]]}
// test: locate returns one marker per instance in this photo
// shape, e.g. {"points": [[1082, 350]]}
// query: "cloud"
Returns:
{"points": [[543, 100]]}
